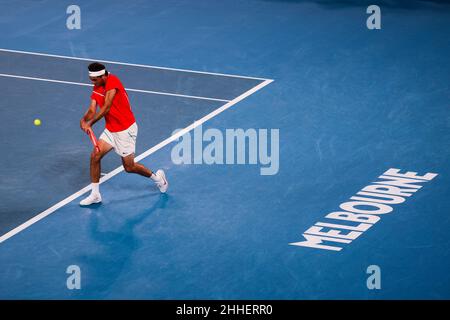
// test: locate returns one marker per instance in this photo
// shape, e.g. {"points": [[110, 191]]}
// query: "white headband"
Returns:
{"points": [[97, 73]]}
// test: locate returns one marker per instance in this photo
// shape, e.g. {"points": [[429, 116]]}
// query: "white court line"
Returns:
{"points": [[128, 89], [111, 174], [131, 64]]}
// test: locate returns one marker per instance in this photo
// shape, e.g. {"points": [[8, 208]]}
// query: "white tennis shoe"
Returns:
{"points": [[163, 184], [93, 198]]}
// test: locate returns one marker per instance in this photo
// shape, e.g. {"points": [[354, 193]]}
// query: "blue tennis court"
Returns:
{"points": [[354, 110]]}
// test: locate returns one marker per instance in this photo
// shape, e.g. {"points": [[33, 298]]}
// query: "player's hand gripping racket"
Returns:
{"points": [[94, 140]]}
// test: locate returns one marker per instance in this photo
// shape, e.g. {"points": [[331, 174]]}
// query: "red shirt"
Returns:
{"points": [[120, 117]]}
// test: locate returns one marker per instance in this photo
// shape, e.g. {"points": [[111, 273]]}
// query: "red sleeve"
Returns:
{"points": [[97, 96]]}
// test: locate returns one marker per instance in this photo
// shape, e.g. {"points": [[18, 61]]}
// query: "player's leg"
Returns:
{"points": [[125, 146], [131, 166], [96, 158]]}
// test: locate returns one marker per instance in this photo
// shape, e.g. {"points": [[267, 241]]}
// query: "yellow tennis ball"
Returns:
{"points": [[37, 122]]}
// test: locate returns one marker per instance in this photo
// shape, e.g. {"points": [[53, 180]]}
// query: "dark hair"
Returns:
{"points": [[96, 66]]}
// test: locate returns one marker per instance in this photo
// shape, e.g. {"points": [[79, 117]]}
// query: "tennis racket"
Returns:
{"points": [[94, 140]]}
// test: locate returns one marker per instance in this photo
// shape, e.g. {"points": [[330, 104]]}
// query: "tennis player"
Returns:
{"points": [[120, 132]]}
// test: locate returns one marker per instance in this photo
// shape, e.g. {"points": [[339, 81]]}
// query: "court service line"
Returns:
{"points": [[128, 89], [132, 64], [143, 155]]}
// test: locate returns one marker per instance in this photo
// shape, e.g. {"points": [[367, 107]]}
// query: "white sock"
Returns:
{"points": [[155, 178], [95, 188]]}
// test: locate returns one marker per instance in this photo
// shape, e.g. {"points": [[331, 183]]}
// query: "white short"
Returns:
{"points": [[123, 142]]}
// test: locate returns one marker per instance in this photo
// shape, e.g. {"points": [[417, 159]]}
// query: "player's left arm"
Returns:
{"points": [[109, 97]]}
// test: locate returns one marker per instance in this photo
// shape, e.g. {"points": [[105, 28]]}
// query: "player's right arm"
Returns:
{"points": [[88, 115]]}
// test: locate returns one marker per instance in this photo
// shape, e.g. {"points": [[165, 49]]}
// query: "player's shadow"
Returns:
{"points": [[114, 249]]}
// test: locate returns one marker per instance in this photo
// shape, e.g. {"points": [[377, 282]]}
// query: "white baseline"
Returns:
{"points": [[130, 64], [128, 89]]}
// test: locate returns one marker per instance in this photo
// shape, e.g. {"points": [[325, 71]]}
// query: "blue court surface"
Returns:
{"points": [[347, 104]]}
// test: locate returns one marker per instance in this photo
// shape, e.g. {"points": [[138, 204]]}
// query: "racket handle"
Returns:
{"points": [[94, 140]]}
